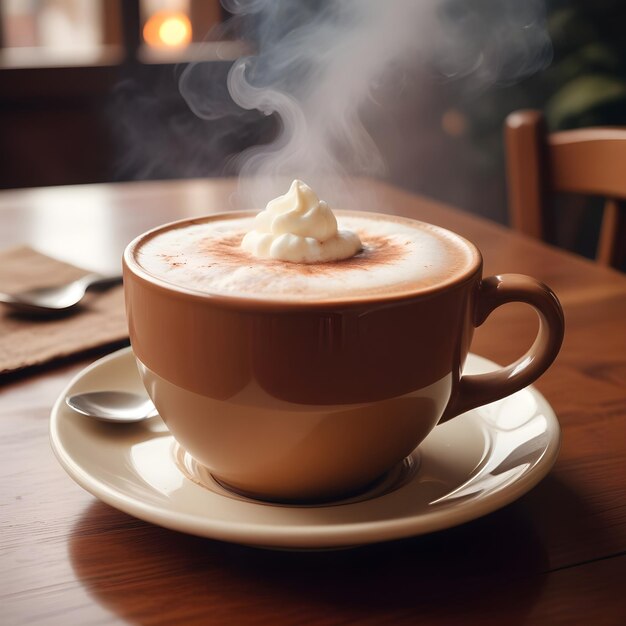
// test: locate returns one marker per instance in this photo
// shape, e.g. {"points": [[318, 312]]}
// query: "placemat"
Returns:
{"points": [[26, 342]]}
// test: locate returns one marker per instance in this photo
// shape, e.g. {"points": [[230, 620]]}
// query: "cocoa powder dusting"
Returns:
{"points": [[173, 260], [377, 250]]}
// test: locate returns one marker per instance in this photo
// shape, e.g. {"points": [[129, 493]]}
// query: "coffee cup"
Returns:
{"points": [[308, 382]]}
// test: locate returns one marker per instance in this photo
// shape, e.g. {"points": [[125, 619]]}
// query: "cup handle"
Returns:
{"points": [[479, 389]]}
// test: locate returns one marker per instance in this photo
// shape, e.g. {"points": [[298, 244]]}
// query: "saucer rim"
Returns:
{"points": [[310, 536]]}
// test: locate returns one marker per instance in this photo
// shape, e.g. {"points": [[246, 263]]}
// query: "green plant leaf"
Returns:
{"points": [[581, 96]]}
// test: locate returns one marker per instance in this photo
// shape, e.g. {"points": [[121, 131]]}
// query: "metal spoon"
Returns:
{"points": [[58, 299], [113, 406]]}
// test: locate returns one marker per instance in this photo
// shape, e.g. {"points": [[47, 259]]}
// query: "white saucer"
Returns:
{"points": [[465, 468]]}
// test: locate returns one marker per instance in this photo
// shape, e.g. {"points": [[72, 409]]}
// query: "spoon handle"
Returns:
{"points": [[98, 280], [6, 298]]}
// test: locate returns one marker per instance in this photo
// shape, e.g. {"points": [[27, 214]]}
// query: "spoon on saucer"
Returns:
{"points": [[113, 406]]}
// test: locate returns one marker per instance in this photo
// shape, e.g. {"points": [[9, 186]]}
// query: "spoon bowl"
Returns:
{"points": [[113, 406]]}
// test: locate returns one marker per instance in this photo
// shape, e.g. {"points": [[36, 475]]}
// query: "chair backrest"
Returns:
{"points": [[587, 161]]}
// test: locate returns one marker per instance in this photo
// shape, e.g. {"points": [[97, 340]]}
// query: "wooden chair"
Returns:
{"points": [[588, 161]]}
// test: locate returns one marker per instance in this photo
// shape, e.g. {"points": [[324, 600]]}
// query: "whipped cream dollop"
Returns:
{"points": [[298, 227]]}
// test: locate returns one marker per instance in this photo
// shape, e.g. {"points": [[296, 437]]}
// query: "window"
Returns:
{"points": [[72, 72], [62, 33]]}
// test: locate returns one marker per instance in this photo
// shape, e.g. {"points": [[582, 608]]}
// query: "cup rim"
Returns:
{"points": [[241, 301]]}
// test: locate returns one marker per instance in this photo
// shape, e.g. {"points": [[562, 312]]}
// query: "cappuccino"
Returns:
{"points": [[397, 256], [294, 372]]}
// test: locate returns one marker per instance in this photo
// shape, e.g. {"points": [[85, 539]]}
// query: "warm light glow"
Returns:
{"points": [[175, 32], [454, 123], [167, 30]]}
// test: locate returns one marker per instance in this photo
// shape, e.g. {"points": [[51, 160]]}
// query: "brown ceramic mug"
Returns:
{"points": [[295, 401]]}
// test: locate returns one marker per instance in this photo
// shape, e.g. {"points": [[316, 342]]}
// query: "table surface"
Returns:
{"points": [[557, 555]]}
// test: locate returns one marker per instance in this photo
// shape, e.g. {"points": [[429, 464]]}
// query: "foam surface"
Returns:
{"points": [[398, 255]]}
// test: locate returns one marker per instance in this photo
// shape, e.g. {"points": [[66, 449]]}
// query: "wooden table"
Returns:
{"points": [[557, 555]]}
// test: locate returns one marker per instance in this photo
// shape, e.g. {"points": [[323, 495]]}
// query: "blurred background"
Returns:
{"points": [[89, 92]]}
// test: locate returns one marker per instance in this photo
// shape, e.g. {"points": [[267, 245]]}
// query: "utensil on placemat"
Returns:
{"points": [[56, 299], [113, 406], [31, 339]]}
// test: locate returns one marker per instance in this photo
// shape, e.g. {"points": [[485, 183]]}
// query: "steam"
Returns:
{"points": [[320, 65], [499, 42]]}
